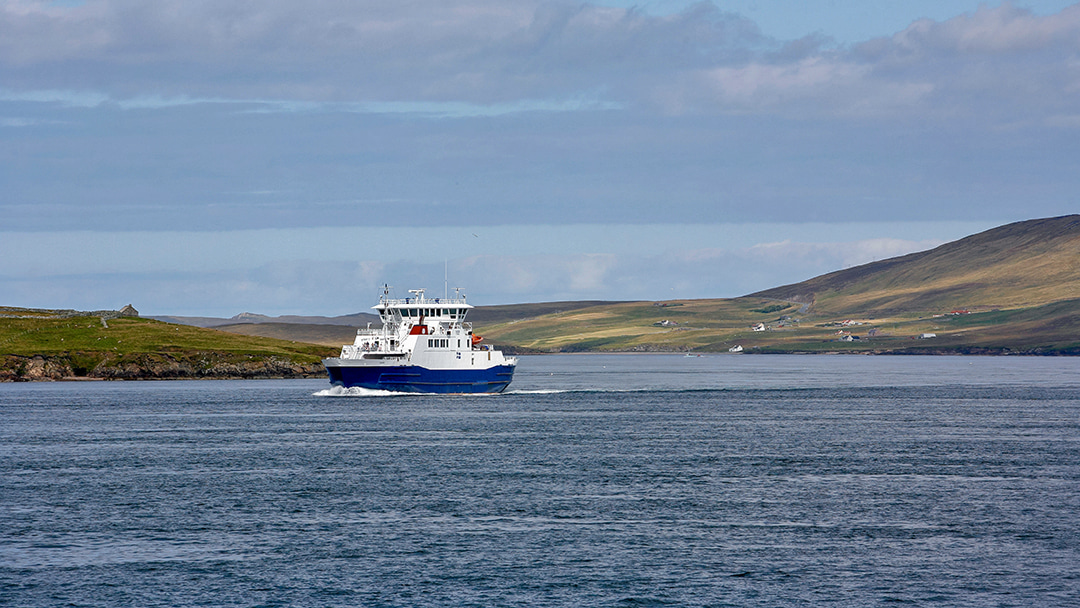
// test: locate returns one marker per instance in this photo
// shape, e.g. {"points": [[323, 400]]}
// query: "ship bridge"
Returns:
{"points": [[418, 307]]}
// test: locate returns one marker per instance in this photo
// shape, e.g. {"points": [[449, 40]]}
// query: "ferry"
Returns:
{"points": [[424, 346]]}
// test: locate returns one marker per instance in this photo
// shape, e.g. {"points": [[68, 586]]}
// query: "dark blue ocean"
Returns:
{"points": [[645, 480]]}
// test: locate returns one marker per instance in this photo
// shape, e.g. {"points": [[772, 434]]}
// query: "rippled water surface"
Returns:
{"points": [[644, 480]]}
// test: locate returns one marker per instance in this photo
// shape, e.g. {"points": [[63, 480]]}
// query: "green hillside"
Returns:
{"points": [[718, 325], [44, 344], [1013, 289]]}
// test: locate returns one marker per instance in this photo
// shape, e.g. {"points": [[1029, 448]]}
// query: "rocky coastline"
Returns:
{"points": [[153, 366]]}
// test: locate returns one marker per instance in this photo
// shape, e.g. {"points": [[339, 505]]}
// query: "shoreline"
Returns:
{"points": [[9, 377], [153, 366]]}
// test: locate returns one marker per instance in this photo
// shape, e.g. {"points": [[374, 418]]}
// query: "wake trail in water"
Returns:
{"points": [[355, 391], [338, 391]]}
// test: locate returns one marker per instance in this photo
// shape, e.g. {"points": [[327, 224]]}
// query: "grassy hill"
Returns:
{"points": [[1024, 264], [46, 345], [1016, 287]]}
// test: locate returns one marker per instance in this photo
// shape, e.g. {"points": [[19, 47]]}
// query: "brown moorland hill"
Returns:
{"points": [[1025, 264], [1019, 285]]}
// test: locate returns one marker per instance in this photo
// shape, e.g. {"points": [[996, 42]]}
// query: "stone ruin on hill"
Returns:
{"points": [[46, 313]]}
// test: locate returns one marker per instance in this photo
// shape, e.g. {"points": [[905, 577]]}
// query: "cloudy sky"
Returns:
{"points": [[209, 157]]}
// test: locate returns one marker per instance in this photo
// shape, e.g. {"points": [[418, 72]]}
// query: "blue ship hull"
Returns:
{"points": [[416, 379]]}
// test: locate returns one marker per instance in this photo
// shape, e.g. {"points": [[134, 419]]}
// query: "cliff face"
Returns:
{"points": [[152, 366], [33, 368]]}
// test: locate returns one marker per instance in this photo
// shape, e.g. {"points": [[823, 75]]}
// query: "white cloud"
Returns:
{"points": [[995, 63], [839, 254], [481, 51], [590, 273], [566, 276], [819, 84], [434, 109], [487, 57], [173, 108], [17, 122], [80, 99], [1003, 29]]}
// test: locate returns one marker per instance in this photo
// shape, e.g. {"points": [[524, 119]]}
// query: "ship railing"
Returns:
{"points": [[375, 333], [433, 302], [373, 340], [357, 350]]}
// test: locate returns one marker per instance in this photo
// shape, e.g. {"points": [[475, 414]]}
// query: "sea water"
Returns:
{"points": [[646, 480]]}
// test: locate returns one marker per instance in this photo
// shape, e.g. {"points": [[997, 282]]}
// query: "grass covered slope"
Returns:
{"points": [[1016, 287], [1019, 265], [718, 325], [38, 345], [632, 326]]}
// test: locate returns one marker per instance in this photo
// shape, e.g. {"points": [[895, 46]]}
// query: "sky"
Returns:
{"points": [[212, 157]]}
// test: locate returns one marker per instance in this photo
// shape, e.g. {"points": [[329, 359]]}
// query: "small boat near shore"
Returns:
{"points": [[424, 346]]}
